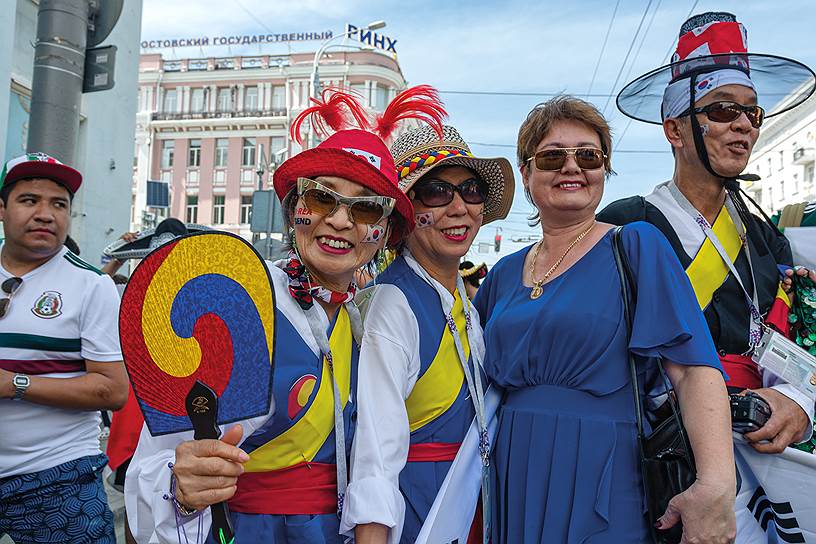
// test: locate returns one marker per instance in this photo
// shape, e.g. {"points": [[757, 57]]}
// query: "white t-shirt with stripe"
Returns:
{"points": [[65, 311]]}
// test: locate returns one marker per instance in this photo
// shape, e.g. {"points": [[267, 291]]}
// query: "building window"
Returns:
{"points": [[251, 99], [796, 184], [194, 154], [218, 210], [246, 209], [276, 144], [221, 146], [248, 152], [167, 149], [360, 89], [197, 100], [224, 99], [781, 159], [380, 98], [191, 214], [278, 97], [170, 101], [809, 173]]}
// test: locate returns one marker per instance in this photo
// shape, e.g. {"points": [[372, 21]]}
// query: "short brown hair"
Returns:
{"points": [[563, 107]]}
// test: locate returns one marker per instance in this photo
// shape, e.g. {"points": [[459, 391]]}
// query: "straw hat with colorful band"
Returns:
{"points": [[359, 154], [419, 151], [40, 165], [427, 159], [712, 50], [480, 270]]}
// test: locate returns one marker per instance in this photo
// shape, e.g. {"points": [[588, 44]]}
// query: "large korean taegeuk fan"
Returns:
{"points": [[197, 331]]}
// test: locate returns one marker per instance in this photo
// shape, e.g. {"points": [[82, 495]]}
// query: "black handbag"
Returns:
{"points": [[666, 460]]}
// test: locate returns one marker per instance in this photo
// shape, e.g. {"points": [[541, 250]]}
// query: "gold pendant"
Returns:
{"points": [[536, 292]]}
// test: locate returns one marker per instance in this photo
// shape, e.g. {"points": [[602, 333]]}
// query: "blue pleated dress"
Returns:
{"points": [[565, 465]]}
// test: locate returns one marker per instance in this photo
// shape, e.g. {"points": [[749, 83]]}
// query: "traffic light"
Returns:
{"points": [[497, 242]]}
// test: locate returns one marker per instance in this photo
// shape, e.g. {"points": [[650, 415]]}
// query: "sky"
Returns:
{"points": [[535, 48]]}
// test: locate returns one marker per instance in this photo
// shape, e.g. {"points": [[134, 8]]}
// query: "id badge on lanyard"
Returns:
{"points": [[784, 358], [756, 325]]}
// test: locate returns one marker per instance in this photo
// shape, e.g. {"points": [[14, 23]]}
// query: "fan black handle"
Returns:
{"points": [[202, 409]]}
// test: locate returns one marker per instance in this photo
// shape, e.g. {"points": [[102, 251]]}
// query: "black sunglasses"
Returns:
{"points": [[9, 287], [727, 112], [435, 192]]}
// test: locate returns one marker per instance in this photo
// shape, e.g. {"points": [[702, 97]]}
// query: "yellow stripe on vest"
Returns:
{"points": [[303, 440], [439, 386], [707, 272]]}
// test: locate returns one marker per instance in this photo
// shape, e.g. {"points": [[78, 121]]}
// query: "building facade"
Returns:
{"points": [[100, 211], [784, 158], [204, 125]]}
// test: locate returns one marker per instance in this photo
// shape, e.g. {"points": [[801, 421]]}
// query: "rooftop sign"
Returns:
{"points": [[245, 39]]}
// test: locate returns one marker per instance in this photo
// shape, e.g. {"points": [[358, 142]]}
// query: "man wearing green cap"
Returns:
{"points": [[60, 363]]}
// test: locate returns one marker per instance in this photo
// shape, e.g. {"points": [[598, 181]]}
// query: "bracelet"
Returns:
{"points": [[182, 510]]}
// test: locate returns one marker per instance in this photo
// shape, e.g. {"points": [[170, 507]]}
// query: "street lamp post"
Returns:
{"points": [[374, 25]]}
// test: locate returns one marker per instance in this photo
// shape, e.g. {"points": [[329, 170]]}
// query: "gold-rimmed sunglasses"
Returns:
{"points": [[320, 199], [9, 287], [587, 158]]}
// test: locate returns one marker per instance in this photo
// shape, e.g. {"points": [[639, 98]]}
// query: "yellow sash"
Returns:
{"points": [[707, 272], [303, 440], [437, 389]]}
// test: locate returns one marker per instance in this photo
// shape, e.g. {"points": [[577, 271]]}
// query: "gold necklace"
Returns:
{"points": [[537, 290]]}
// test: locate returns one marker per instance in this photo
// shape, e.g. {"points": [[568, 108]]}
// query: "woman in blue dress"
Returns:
{"points": [[565, 465]]}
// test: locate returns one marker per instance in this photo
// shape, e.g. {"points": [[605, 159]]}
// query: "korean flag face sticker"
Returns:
{"points": [[374, 234], [424, 219]]}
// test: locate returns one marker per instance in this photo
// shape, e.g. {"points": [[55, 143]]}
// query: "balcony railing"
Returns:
{"points": [[195, 65], [176, 116]]}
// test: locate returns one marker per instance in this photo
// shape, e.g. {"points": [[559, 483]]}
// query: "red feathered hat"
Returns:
{"points": [[359, 154]]}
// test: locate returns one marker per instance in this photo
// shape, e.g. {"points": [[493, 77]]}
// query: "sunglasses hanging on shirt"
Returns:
{"points": [[9, 287]]}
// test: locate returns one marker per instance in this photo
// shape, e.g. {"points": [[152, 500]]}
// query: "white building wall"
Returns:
{"points": [[785, 158], [101, 208], [104, 202]]}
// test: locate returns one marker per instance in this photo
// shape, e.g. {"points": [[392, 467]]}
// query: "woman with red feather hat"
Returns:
{"points": [[284, 474]]}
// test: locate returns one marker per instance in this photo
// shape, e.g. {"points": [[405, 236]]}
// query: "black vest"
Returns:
{"points": [[727, 316]]}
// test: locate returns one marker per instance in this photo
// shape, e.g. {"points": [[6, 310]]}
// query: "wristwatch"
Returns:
{"points": [[182, 510], [21, 383]]}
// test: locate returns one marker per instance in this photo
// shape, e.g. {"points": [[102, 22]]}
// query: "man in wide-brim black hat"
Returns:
{"points": [[711, 101]]}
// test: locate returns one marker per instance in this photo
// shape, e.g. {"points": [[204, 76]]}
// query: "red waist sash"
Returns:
{"points": [[306, 488], [742, 371], [432, 451]]}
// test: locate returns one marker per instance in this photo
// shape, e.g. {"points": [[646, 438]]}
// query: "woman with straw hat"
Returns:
{"points": [[420, 363], [284, 474]]}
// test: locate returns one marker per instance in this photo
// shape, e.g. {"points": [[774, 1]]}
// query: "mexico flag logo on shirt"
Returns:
{"points": [[48, 306]]}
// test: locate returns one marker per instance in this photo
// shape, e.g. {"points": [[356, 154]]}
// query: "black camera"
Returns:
{"points": [[749, 412]]}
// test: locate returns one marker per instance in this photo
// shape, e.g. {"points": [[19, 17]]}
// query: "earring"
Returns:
{"points": [[292, 239], [527, 195]]}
